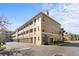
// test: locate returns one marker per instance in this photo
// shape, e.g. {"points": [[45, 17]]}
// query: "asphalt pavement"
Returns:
{"points": [[29, 49]]}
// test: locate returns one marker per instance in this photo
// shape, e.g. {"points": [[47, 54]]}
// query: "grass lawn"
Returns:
{"points": [[71, 41]]}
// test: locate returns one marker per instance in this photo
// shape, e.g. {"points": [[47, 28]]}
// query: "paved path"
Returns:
{"points": [[70, 49]]}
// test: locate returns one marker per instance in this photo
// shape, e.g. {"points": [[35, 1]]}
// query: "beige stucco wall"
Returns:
{"points": [[33, 34], [49, 25], [51, 29]]}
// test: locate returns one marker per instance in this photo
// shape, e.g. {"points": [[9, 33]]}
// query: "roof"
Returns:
{"points": [[41, 13], [51, 18]]}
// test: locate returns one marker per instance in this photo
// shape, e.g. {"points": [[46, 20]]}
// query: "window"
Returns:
{"points": [[34, 37], [38, 28], [43, 30], [19, 34], [51, 40], [24, 32], [31, 30], [34, 29], [38, 38], [27, 31], [35, 21], [43, 19], [34, 40], [52, 32]]}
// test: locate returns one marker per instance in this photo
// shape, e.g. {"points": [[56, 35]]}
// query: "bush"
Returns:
{"points": [[58, 42], [2, 47]]}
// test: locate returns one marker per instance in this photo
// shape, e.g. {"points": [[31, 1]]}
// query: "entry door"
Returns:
{"points": [[45, 39], [34, 40], [51, 40], [31, 40]]}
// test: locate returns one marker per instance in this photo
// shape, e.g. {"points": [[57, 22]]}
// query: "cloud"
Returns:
{"points": [[65, 13]]}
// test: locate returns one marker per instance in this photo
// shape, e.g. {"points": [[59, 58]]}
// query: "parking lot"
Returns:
{"points": [[28, 49]]}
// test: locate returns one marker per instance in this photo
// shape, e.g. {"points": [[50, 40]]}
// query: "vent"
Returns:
{"points": [[46, 12]]}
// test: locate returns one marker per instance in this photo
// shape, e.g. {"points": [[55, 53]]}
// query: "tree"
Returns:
{"points": [[62, 33], [4, 22]]}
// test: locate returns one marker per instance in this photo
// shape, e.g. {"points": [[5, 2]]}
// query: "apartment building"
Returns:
{"points": [[41, 29]]}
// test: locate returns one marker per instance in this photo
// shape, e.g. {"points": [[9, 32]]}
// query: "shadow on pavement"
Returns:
{"points": [[70, 44]]}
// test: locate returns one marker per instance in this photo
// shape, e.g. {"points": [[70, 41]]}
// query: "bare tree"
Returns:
{"points": [[4, 22]]}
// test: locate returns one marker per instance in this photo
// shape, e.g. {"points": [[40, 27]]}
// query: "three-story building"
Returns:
{"points": [[41, 29]]}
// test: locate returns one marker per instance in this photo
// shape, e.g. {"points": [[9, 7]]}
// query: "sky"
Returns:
{"points": [[18, 14], [67, 14]]}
